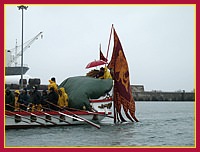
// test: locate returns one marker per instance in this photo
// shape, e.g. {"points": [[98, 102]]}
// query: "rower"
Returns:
{"points": [[53, 84], [9, 99], [36, 99], [63, 98], [104, 73], [53, 98], [17, 98]]}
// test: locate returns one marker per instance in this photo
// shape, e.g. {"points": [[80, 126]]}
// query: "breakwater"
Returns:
{"points": [[139, 94], [163, 96]]}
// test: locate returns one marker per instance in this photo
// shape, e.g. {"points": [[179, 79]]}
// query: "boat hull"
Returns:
{"points": [[15, 70], [36, 119], [25, 119]]}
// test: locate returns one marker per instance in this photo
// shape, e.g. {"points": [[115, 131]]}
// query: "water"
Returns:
{"points": [[161, 124]]}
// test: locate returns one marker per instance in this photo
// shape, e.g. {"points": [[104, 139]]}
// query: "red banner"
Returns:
{"points": [[122, 90], [102, 57]]}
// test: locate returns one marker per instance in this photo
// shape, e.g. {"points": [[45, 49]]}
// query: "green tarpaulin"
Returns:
{"points": [[82, 88]]}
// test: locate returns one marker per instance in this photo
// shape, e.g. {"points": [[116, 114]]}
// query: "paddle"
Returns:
{"points": [[85, 120], [35, 115], [15, 119], [48, 114], [90, 112], [42, 124], [64, 114]]}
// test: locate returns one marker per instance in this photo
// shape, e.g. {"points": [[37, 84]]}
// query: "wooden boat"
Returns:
{"points": [[26, 119], [122, 95]]}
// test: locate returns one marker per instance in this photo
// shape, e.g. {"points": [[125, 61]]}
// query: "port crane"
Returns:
{"points": [[13, 58]]}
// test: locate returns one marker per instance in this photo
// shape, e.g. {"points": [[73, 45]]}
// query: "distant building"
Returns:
{"points": [[137, 88]]}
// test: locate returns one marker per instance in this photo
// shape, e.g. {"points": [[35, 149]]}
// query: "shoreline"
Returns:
{"points": [[140, 95], [164, 96]]}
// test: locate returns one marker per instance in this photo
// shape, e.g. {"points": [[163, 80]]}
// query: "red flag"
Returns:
{"points": [[102, 56], [122, 90]]}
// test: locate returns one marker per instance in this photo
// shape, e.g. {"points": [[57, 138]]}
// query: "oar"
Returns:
{"points": [[90, 112], [70, 116], [42, 124], [15, 119], [64, 114], [36, 116], [85, 120], [48, 114], [61, 113]]}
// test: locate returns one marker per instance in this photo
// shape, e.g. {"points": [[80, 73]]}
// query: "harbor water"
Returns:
{"points": [[162, 124]]}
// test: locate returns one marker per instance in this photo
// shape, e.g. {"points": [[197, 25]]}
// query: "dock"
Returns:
{"points": [[140, 94]]}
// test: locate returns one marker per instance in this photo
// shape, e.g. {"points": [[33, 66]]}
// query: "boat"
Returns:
{"points": [[115, 94], [15, 70], [68, 117]]}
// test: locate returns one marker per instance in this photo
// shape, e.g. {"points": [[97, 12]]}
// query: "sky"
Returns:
{"points": [[158, 41]]}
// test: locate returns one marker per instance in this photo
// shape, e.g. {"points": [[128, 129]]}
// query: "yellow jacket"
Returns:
{"points": [[54, 85], [106, 74], [63, 98], [16, 103]]}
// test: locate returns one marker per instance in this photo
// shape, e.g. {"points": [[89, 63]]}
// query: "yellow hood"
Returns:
{"points": [[62, 90]]}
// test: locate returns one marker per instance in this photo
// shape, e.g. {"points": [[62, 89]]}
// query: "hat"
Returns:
{"points": [[53, 79], [101, 68], [17, 91]]}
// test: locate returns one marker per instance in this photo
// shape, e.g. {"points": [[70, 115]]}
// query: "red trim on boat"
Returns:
{"points": [[102, 100], [56, 113]]}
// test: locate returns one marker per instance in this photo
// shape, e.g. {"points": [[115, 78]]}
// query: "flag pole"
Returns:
{"points": [[114, 97], [100, 47], [109, 42], [114, 108]]}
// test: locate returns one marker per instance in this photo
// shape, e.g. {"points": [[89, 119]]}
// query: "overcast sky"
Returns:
{"points": [[158, 41]]}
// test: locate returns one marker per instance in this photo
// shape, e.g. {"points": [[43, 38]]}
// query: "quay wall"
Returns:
{"points": [[163, 96]]}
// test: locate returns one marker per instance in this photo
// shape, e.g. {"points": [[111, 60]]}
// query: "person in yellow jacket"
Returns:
{"points": [[63, 98], [106, 73], [16, 103], [53, 85]]}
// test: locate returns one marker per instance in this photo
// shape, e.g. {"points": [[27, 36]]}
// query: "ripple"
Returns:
{"points": [[157, 127]]}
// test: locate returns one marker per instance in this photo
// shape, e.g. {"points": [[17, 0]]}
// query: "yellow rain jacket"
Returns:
{"points": [[16, 100], [54, 85], [106, 74], [63, 98]]}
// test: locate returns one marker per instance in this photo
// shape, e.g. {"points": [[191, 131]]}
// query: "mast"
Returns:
{"points": [[16, 53], [109, 41], [114, 108], [22, 7]]}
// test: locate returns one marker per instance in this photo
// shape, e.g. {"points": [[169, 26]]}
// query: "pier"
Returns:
{"points": [[140, 94]]}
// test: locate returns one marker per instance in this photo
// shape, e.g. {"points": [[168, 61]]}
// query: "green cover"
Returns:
{"points": [[82, 88]]}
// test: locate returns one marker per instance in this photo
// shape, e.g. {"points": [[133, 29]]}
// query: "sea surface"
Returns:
{"points": [[162, 124]]}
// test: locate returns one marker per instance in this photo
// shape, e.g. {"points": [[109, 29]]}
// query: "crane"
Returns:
{"points": [[27, 45]]}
